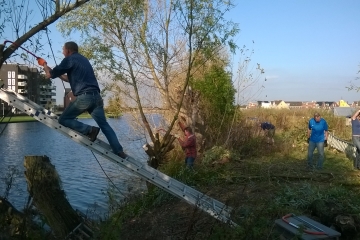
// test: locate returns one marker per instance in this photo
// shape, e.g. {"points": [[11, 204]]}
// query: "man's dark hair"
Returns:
{"points": [[71, 46], [188, 129]]}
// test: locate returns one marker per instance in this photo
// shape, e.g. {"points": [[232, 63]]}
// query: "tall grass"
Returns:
{"points": [[245, 135], [262, 182]]}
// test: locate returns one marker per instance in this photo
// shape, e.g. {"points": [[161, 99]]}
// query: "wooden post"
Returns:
{"points": [[48, 197]]}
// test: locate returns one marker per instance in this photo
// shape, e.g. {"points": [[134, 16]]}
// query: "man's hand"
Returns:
{"points": [[41, 61], [325, 143]]}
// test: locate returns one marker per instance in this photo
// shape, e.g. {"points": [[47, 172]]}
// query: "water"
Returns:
{"points": [[83, 180]]}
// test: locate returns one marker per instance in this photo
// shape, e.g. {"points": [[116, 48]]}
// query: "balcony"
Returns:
{"points": [[45, 92], [21, 76], [48, 87], [22, 84], [48, 93]]}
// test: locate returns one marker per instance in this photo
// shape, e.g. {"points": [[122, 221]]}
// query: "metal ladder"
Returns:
{"points": [[209, 205]]}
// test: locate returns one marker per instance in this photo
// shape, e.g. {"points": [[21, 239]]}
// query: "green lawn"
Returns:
{"points": [[17, 119]]}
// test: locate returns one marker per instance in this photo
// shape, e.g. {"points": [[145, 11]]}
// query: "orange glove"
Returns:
{"points": [[41, 61]]}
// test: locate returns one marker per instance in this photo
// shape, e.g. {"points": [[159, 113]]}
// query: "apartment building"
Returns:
{"points": [[29, 82]]}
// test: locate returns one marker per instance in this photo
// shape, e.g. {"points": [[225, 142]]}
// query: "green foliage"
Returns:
{"points": [[217, 92], [114, 107], [218, 153], [135, 207], [201, 174], [290, 196], [217, 97]]}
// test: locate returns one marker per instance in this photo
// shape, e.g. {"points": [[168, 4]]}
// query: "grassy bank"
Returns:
{"points": [[260, 190], [260, 182], [18, 119]]}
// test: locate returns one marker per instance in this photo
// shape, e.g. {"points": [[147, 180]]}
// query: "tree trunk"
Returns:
{"points": [[48, 197], [11, 220]]}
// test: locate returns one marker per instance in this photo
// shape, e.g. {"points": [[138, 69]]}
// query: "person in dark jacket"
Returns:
{"points": [[189, 145], [269, 131], [355, 125], [78, 72]]}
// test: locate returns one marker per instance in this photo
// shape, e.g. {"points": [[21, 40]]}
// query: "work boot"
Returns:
{"points": [[122, 155], [93, 133]]}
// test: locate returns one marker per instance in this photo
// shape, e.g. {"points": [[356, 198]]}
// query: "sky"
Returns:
{"points": [[309, 49]]}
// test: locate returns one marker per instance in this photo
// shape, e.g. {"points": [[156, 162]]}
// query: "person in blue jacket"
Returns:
{"points": [[317, 138], [355, 125], [269, 131]]}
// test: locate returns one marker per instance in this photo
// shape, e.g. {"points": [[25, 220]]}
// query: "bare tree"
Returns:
{"points": [[16, 18], [153, 48]]}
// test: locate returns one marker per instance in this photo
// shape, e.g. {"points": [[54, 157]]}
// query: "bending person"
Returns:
{"points": [[269, 131]]}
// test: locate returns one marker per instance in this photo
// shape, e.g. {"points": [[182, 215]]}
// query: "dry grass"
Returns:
{"points": [[261, 182]]}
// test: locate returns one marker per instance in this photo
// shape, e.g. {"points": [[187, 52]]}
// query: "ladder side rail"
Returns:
{"points": [[173, 183], [184, 191], [30, 108], [195, 194], [13, 96]]}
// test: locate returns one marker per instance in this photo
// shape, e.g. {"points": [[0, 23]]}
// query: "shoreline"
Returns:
{"points": [[26, 118]]}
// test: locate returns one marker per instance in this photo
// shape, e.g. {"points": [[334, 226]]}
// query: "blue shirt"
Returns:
{"points": [[267, 126], [355, 125], [317, 130], [79, 72]]}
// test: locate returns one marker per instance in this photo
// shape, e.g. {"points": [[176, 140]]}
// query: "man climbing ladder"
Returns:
{"points": [[85, 87]]}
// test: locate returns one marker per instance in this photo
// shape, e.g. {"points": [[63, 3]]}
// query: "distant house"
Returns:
{"points": [[68, 97], [345, 112], [251, 105], [355, 104], [280, 104], [311, 104], [264, 104], [342, 103], [293, 105], [327, 104]]}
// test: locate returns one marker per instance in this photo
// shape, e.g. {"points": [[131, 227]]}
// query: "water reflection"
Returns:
{"points": [[82, 178]]}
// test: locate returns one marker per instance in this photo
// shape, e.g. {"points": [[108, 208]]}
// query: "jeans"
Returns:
{"points": [[189, 162], [92, 103], [356, 141], [311, 149]]}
